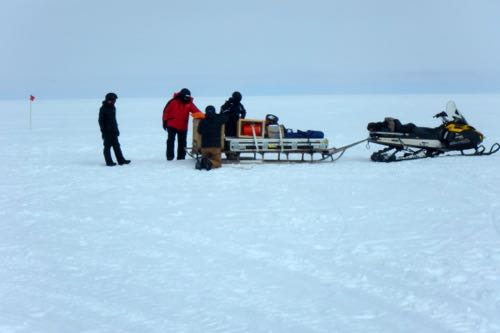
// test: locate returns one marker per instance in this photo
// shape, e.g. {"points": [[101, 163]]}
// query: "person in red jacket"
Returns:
{"points": [[175, 121]]}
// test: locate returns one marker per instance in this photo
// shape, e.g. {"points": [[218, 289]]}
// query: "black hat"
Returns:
{"points": [[210, 110], [271, 119], [111, 97], [237, 96], [185, 92]]}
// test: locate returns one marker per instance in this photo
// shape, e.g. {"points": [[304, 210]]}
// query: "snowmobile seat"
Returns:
{"points": [[391, 125], [427, 133]]}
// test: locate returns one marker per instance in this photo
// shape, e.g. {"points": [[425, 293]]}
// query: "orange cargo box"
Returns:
{"points": [[247, 127]]}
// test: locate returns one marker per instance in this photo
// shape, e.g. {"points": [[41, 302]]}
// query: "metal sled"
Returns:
{"points": [[256, 147]]}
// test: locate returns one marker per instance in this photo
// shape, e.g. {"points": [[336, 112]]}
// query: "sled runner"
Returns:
{"points": [[408, 142], [287, 150], [261, 141]]}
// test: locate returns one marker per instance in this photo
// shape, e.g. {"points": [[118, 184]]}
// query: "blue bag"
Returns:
{"points": [[303, 134]]}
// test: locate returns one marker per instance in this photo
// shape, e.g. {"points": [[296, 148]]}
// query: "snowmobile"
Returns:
{"points": [[408, 142]]}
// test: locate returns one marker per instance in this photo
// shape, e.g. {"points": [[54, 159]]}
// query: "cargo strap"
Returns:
{"points": [[255, 140]]}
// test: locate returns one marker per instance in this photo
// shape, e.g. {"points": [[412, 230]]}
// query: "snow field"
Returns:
{"points": [[350, 246]]}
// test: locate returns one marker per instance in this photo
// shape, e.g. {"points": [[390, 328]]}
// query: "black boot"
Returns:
{"points": [[206, 164], [119, 155], [198, 165]]}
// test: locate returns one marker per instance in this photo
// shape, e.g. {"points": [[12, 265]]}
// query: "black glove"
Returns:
{"points": [[164, 125]]}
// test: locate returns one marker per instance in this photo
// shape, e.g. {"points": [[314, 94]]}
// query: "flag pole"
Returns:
{"points": [[32, 98], [31, 103]]}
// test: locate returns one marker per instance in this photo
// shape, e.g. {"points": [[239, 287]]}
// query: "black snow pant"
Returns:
{"points": [[231, 127], [111, 140], [181, 143]]}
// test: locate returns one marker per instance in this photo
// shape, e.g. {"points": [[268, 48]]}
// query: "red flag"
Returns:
{"points": [[32, 98]]}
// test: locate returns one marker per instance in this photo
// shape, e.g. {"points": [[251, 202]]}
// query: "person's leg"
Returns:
{"points": [[181, 144], [118, 151], [205, 162], [230, 128], [204, 152], [200, 160], [171, 142], [215, 157], [107, 151]]}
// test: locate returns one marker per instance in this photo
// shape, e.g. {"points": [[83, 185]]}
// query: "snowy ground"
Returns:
{"points": [[351, 246]]}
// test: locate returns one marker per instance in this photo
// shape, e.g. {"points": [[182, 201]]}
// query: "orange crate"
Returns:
{"points": [[245, 128]]}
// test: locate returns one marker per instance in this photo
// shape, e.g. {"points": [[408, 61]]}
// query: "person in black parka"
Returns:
{"points": [[234, 111], [210, 130], [109, 130]]}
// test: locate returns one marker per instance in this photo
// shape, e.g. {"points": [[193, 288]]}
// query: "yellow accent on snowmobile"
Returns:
{"points": [[459, 128]]}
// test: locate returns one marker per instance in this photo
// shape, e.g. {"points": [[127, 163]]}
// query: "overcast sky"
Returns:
{"points": [[69, 48]]}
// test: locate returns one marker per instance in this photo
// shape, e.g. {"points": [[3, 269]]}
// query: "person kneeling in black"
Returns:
{"points": [[109, 130], [210, 129]]}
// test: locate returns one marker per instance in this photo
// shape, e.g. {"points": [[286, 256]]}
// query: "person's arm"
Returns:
{"points": [[223, 117], [243, 112], [107, 121], [166, 113], [225, 107], [101, 121], [195, 112], [114, 124]]}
